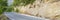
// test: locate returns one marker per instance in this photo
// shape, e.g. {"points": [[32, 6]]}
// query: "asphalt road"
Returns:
{"points": [[15, 16]]}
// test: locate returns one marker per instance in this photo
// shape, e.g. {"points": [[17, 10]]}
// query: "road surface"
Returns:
{"points": [[15, 16]]}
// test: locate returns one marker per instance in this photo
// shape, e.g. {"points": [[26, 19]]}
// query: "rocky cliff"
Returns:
{"points": [[42, 8]]}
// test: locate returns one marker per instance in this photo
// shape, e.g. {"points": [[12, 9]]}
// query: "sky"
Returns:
{"points": [[10, 2]]}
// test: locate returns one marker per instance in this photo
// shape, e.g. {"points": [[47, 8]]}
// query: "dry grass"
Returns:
{"points": [[3, 17]]}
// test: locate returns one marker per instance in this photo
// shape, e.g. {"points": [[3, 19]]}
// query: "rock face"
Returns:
{"points": [[43, 8]]}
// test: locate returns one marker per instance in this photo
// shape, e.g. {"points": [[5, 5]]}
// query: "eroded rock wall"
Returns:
{"points": [[43, 8]]}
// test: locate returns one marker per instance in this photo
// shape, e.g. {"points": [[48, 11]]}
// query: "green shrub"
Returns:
{"points": [[3, 4], [23, 2], [5, 8]]}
